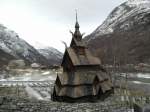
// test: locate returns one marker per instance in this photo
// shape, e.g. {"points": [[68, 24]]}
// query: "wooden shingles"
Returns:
{"points": [[77, 59]]}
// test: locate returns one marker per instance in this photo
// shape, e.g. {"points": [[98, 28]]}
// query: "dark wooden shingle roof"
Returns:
{"points": [[81, 77], [86, 59], [75, 86]]}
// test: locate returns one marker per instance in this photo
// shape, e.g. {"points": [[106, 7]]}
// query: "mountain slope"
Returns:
{"points": [[124, 35], [12, 45], [52, 55], [5, 58]]}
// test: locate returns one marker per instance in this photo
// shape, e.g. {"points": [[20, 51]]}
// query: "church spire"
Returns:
{"points": [[77, 24], [77, 33]]}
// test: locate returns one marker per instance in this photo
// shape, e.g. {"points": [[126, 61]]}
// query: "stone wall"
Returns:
{"points": [[12, 104]]}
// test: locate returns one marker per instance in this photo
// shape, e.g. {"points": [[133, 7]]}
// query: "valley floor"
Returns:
{"points": [[30, 90]]}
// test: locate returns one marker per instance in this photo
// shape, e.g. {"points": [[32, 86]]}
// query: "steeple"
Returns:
{"points": [[77, 24], [77, 33]]}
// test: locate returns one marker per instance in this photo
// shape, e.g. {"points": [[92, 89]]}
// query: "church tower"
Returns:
{"points": [[83, 77]]}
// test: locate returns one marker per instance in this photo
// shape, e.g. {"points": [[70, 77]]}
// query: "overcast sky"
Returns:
{"points": [[47, 22]]}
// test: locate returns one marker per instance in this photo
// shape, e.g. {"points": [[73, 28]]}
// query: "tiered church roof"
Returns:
{"points": [[83, 76]]}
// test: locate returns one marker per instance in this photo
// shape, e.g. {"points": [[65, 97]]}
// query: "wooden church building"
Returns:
{"points": [[83, 77]]}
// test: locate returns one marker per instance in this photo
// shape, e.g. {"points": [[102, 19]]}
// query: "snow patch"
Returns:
{"points": [[45, 73], [138, 2], [146, 76], [137, 82]]}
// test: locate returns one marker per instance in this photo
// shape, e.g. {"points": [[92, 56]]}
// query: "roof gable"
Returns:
{"points": [[86, 59], [75, 42]]}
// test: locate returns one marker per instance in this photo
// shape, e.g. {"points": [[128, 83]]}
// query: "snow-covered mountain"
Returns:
{"points": [[124, 32], [16, 48], [52, 55], [124, 16]]}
